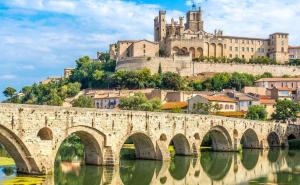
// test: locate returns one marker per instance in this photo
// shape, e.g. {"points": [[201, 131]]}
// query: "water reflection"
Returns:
{"points": [[250, 166]]}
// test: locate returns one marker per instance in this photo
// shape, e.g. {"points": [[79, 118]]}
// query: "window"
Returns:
{"points": [[226, 107], [225, 46], [262, 50], [243, 56], [230, 48], [248, 42], [282, 49], [236, 49], [144, 45], [252, 49], [236, 41], [282, 42], [230, 55], [243, 41], [258, 50], [243, 49], [247, 49], [236, 56], [231, 107]]}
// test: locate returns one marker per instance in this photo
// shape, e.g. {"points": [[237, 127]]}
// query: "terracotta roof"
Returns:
{"points": [[285, 89], [267, 101], [231, 114], [294, 47], [278, 79], [173, 105], [220, 98]]}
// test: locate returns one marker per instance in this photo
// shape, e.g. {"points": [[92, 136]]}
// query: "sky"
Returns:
{"points": [[39, 38]]}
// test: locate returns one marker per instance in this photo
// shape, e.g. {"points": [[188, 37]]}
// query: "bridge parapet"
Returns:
{"points": [[33, 134]]}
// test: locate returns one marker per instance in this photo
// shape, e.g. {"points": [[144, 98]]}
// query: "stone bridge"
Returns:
{"points": [[33, 134]]}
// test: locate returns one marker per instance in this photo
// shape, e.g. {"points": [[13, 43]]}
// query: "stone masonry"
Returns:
{"points": [[33, 134]]}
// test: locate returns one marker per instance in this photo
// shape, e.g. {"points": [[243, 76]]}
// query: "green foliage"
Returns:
{"points": [[176, 110], [84, 102], [9, 92], [172, 81], [139, 102], [205, 108], [294, 62], [285, 109], [257, 112]]}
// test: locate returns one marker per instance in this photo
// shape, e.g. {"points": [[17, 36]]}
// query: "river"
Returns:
{"points": [[247, 167]]}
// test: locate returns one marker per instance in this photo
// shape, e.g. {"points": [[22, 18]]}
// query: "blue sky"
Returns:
{"points": [[41, 37]]}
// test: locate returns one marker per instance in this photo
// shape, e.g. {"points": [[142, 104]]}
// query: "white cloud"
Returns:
{"points": [[7, 77]]}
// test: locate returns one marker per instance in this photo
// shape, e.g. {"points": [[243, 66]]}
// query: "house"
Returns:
{"points": [[269, 104], [225, 103], [107, 101], [278, 82], [244, 101], [283, 93], [255, 90]]}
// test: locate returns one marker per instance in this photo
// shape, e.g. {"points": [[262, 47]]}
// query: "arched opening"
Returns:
{"points": [[175, 50], [249, 139], [45, 134], [217, 139], [192, 52], [291, 137], [163, 137], [273, 140], [216, 165], [15, 151], [213, 50], [199, 52], [80, 147], [180, 145], [206, 49], [219, 50], [138, 146]]}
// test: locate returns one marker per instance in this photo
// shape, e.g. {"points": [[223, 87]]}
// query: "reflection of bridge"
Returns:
{"points": [[213, 168], [33, 134]]}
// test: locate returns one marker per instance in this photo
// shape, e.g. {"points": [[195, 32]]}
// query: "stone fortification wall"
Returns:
{"points": [[185, 67]]}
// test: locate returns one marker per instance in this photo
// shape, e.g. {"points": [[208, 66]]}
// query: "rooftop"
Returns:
{"points": [[278, 79], [173, 105], [219, 98]]}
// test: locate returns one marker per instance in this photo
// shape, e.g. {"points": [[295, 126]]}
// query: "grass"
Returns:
{"points": [[24, 180], [5, 161]]}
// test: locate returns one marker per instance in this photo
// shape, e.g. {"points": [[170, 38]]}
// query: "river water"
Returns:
{"points": [[210, 168]]}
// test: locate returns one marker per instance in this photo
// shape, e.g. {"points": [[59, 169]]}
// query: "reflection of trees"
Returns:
{"points": [[288, 178], [86, 175], [137, 172], [273, 155], [216, 164], [250, 158], [293, 158], [179, 167], [8, 171]]}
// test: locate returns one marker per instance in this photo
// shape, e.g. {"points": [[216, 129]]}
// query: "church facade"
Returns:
{"points": [[188, 37]]}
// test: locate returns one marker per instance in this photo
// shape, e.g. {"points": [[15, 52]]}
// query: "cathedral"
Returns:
{"points": [[187, 37]]}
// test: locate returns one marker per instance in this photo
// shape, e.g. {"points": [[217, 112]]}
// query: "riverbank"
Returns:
{"points": [[6, 161]]}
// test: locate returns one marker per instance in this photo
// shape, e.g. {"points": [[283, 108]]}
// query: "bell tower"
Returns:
{"points": [[194, 20]]}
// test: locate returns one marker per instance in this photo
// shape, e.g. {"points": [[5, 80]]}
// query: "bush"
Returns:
{"points": [[84, 102], [257, 112]]}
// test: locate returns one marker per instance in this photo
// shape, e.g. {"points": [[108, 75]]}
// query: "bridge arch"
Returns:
{"points": [[144, 147], [92, 141], [273, 140], [19, 152], [220, 138], [291, 137], [181, 144], [250, 139]]}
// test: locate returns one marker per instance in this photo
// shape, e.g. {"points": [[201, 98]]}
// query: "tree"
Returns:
{"points": [[172, 81], [9, 92], [140, 102], [285, 109], [205, 108], [257, 112], [159, 69], [84, 102]]}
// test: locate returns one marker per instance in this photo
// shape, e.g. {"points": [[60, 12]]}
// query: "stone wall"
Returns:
{"points": [[185, 67]]}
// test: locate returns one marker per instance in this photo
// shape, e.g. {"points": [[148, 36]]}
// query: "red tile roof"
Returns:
{"points": [[218, 98], [173, 105]]}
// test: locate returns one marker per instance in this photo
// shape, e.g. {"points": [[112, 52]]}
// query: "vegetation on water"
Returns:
{"points": [[6, 161], [294, 144], [24, 180]]}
